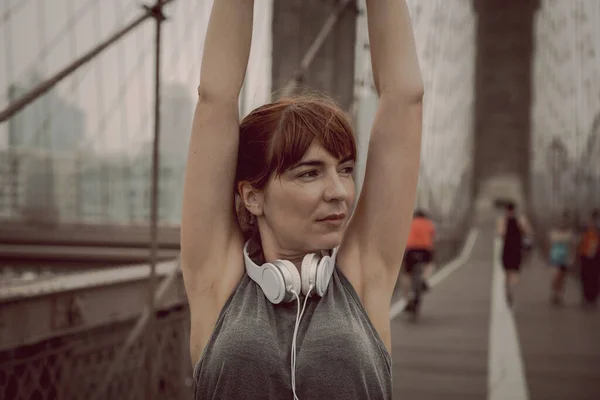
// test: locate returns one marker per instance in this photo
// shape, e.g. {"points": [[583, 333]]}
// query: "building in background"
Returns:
{"points": [[38, 136], [48, 123], [177, 110], [54, 181], [117, 189]]}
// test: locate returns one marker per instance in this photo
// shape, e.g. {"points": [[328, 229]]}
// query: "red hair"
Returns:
{"points": [[274, 137]]}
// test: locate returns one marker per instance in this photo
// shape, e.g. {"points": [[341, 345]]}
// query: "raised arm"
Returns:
{"points": [[380, 224], [208, 222], [396, 70], [524, 222]]}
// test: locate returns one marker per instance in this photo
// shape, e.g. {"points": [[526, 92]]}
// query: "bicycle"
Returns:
{"points": [[414, 265], [418, 285]]}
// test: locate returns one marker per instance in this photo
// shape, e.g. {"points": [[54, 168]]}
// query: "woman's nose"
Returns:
{"points": [[335, 189]]}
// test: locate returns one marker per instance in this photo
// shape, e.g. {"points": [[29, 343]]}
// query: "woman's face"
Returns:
{"points": [[307, 208]]}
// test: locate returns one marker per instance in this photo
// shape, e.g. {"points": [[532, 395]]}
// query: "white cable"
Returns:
{"points": [[293, 355]]}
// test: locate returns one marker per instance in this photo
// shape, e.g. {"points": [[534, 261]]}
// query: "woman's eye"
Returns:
{"points": [[348, 170], [308, 174]]}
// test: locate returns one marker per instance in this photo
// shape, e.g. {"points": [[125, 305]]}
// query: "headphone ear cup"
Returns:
{"points": [[323, 274], [272, 283], [309, 273], [291, 278]]}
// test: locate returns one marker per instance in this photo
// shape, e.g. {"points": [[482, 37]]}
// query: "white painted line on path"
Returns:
{"points": [[506, 374]]}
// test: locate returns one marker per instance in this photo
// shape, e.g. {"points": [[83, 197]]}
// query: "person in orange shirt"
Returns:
{"points": [[589, 258], [419, 250]]}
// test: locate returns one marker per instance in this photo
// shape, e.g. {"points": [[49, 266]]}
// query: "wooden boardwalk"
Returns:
{"points": [[446, 354], [560, 346]]}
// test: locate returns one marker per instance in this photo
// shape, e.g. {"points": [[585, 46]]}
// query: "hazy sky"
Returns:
{"points": [[115, 90]]}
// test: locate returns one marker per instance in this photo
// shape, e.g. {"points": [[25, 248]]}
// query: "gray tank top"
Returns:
{"points": [[339, 353]]}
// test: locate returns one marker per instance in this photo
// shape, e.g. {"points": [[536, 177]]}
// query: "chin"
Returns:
{"points": [[329, 240]]}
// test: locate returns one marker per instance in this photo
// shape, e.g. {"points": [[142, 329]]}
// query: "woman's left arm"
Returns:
{"points": [[526, 226], [378, 229]]}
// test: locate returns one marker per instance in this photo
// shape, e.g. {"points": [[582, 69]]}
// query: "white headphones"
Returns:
{"points": [[279, 280]]}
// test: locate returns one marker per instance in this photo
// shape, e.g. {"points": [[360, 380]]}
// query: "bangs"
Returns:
{"points": [[301, 123]]}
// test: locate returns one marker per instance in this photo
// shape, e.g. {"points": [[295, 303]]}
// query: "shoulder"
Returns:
{"points": [[524, 222]]}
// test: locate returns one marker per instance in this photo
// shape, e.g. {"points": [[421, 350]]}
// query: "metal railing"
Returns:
{"points": [[72, 367]]}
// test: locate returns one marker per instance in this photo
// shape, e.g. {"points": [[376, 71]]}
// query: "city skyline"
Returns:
{"points": [[116, 89], [54, 182], [49, 123]]}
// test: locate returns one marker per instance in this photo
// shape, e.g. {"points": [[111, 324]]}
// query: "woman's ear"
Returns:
{"points": [[251, 197]]}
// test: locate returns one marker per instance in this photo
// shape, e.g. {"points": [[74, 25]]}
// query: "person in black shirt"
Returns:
{"points": [[516, 231]]}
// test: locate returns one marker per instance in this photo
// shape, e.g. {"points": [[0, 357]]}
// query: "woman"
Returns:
{"points": [[288, 166], [515, 231], [589, 259], [561, 243]]}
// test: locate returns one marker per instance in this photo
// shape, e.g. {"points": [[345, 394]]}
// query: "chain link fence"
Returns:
{"points": [[75, 367]]}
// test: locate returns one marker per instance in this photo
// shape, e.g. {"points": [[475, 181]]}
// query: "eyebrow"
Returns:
{"points": [[318, 163]]}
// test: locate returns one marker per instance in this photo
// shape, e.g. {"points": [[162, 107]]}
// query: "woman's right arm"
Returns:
{"points": [[209, 225], [500, 228]]}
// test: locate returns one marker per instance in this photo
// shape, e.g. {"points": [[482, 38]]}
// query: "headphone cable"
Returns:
{"points": [[293, 355]]}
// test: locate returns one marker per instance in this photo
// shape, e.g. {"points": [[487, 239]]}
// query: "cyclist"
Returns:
{"points": [[418, 258]]}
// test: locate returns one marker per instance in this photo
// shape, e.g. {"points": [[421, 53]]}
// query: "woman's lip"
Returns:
{"points": [[334, 217], [333, 222]]}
